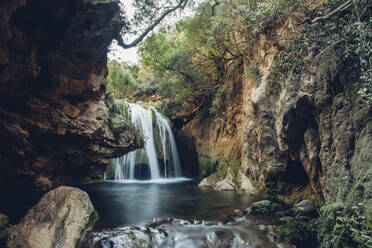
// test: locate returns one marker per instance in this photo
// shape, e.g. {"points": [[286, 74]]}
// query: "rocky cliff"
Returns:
{"points": [[55, 124], [303, 134]]}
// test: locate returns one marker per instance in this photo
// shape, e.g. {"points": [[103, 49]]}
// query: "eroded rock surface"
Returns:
{"points": [[309, 138], [55, 126], [59, 219]]}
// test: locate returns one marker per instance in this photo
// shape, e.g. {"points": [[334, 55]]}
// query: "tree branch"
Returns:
{"points": [[340, 8], [216, 3], [181, 4]]}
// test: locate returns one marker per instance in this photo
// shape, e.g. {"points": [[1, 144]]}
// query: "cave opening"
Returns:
{"points": [[300, 119]]}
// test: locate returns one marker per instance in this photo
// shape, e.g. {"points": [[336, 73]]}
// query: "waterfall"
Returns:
{"points": [[159, 157]]}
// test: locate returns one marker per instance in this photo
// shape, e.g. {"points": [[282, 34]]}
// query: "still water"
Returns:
{"points": [[134, 203]]}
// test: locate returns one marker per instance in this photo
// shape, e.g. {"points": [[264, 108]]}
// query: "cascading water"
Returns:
{"points": [[159, 157]]}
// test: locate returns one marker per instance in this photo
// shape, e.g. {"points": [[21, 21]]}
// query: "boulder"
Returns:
{"points": [[227, 184], [59, 219], [210, 181], [246, 184], [306, 207], [264, 207]]}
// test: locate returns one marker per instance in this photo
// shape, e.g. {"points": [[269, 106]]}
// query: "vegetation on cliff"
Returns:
{"points": [[301, 141], [188, 64]]}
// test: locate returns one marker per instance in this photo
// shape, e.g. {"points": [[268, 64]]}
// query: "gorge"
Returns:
{"points": [[244, 124]]}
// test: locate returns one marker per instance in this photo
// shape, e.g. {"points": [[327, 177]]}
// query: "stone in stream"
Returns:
{"points": [[264, 207], [59, 219], [306, 207], [210, 181], [177, 233], [228, 183]]}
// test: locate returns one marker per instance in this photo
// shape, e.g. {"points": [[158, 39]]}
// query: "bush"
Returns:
{"points": [[264, 207], [344, 228], [301, 234]]}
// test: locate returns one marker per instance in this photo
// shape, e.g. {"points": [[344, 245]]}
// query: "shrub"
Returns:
{"points": [[264, 207], [344, 228], [301, 234]]}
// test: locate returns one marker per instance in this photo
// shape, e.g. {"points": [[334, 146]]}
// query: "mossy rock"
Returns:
{"points": [[264, 207]]}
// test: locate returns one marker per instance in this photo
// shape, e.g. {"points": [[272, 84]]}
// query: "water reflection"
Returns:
{"points": [[136, 203]]}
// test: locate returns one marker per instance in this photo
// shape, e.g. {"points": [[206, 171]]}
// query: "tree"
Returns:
{"points": [[146, 13]]}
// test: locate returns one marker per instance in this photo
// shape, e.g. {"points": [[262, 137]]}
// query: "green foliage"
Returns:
{"points": [[192, 60], [264, 207], [349, 34], [344, 228], [120, 81], [359, 47], [299, 233], [274, 80], [222, 169]]}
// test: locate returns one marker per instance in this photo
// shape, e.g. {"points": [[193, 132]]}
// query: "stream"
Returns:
{"points": [[145, 202], [172, 213]]}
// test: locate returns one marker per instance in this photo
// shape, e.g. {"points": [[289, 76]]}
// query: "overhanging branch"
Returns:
{"points": [[341, 8], [181, 4]]}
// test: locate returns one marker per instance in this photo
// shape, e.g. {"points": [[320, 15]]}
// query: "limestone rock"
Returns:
{"points": [[225, 185], [314, 134], [210, 181], [59, 219], [306, 207], [246, 184], [228, 183]]}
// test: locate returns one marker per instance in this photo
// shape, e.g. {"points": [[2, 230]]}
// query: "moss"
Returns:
{"points": [[153, 117], [274, 79], [208, 165], [264, 207], [301, 234], [93, 218]]}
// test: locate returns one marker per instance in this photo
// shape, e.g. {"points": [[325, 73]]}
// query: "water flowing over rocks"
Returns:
{"points": [[177, 233], [55, 126], [59, 219], [159, 156]]}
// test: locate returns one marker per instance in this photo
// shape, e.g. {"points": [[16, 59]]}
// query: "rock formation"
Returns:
{"points": [[59, 219], [313, 132], [55, 125]]}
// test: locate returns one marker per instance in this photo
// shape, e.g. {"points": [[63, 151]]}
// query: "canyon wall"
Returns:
{"points": [[304, 136], [55, 123]]}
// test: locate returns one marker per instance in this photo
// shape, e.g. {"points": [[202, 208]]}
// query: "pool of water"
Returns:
{"points": [[133, 203]]}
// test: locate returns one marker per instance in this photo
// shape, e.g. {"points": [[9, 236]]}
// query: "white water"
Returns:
{"points": [[144, 163]]}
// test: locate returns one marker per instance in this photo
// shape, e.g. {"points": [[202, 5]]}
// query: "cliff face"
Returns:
{"points": [[55, 124], [310, 135]]}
